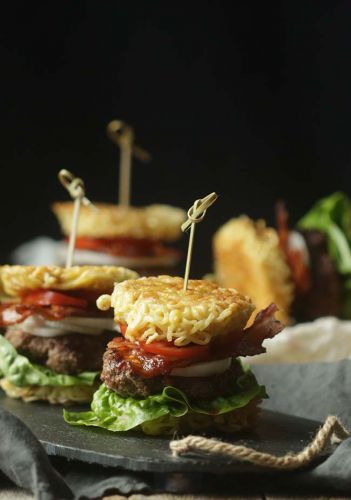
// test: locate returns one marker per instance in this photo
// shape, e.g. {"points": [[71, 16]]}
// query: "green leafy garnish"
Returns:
{"points": [[116, 413]]}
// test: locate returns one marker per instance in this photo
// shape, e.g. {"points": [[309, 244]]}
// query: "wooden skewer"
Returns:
{"points": [[122, 135], [75, 187], [196, 214]]}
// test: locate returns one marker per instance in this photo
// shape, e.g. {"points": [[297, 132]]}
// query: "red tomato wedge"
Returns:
{"points": [[170, 351], [91, 243], [50, 298], [120, 246]]}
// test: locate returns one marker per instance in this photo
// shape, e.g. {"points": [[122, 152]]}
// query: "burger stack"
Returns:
{"points": [[176, 366], [140, 238], [55, 336], [306, 271]]}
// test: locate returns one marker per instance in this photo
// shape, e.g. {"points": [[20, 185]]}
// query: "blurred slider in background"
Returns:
{"points": [[133, 237], [305, 271], [141, 238]]}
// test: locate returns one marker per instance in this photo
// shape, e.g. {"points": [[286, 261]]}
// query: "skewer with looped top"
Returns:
{"points": [[196, 214], [75, 187], [122, 135]]}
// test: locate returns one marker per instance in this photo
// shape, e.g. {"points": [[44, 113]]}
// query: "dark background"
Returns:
{"points": [[251, 99]]}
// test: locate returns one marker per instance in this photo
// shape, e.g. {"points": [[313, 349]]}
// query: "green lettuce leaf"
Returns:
{"points": [[116, 413], [21, 372], [332, 216]]}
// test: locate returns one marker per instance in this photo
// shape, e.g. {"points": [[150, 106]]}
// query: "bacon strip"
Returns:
{"points": [[141, 362], [12, 314], [265, 326]]}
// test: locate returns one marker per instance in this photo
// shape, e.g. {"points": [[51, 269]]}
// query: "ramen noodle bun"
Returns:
{"points": [[157, 308]]}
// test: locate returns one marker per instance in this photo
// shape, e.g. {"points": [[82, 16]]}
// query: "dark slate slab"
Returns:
{"points": [[276, 433]]}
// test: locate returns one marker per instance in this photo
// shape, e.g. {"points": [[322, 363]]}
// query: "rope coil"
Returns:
{"points": [[332, 431]]}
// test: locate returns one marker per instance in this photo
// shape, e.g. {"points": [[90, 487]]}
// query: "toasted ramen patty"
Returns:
{"points": [[69, 354], [118, 375]]}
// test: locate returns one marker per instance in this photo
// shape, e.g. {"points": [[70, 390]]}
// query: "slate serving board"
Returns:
{"points": [[276, 433]]}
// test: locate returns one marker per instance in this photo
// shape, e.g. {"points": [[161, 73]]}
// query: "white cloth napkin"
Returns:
{"points": [[323, 340]]}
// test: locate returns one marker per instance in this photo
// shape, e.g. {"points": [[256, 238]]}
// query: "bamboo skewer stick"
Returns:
{"points": [[122, 135], [75, 187], [196, 214]]}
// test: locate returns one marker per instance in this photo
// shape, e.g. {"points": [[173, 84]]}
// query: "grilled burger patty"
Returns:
{"points": [[118, 375], [69, 354]]}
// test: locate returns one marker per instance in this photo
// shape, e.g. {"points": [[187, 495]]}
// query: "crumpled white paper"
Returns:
{"points": [[323, 340]]}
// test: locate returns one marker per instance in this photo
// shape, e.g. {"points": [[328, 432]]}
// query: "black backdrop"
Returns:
{"points": [[249, 98]]}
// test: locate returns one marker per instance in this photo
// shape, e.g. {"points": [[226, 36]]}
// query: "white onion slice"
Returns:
{"points": [[203, 369], [37, 325], [104, 323]]}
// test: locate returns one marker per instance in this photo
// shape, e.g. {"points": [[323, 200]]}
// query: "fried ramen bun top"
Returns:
{"points": [[154, 222], [3, 296], [157, 308], [248, 257], [17, 280]]}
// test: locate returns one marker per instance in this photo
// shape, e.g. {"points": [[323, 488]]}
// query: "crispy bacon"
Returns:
{"points": [[246, 343], [300, 272], [12, 314], [265, 326], [143, 363]]}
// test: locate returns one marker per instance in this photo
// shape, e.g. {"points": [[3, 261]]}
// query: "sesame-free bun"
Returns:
{"points": [[74, 394], [248, 257], [17, 280], [154, 222], [157, 308], [233, 421]]}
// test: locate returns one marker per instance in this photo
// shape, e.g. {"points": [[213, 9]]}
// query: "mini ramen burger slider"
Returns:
{"points": [[137, 237], [305, 271], [176, 366], [55, 336]]}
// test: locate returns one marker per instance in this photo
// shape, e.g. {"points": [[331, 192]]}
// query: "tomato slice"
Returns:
{"points": [[170, 351], [125, 246], [50, 298], [219, 348], [87, 243]]}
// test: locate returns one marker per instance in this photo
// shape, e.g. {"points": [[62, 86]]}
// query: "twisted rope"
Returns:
{"points": [[332, 431]]}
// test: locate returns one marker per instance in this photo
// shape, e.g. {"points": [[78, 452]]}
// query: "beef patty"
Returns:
{"points": [[69, 354], [118, 375]]}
